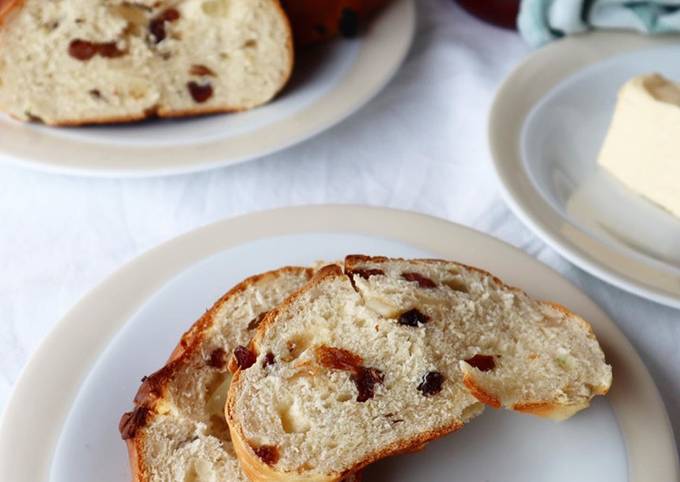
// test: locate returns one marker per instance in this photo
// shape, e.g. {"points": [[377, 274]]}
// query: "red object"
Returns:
{"points": [[502, 13]]}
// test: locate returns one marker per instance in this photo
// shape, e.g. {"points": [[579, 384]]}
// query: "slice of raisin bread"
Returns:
{"points": [[69, 62], [390, 354], [177, 430]]}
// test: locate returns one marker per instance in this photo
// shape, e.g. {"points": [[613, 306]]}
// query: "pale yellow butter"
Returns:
{"points": [[642, 147]]}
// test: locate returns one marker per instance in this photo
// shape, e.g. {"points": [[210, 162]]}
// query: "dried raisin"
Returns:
{"points": [[157, 25], [338, 358], [422, 281], [200, 93], [482, 363], [413, 318], [431, 383], [268, 453], [82, 49], [217, 359], [365, 379], [244, 357], [268, 360]]}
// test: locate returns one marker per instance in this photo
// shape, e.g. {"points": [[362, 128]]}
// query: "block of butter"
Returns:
{"points": [[642, 147]]}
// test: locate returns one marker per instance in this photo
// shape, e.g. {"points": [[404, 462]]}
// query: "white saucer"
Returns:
{"points": [[547, 126], [328, 84], [61, 422]]}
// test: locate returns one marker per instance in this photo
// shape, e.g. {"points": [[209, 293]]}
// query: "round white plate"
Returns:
{"points": [[61, 422], [329, 83], [546, 129]]}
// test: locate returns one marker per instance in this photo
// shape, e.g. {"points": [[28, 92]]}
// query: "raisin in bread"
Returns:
{"points": [[70, 62], [390, 354], [177, 430], [316, 21]]}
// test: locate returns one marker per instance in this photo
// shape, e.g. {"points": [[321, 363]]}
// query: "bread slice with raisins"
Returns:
{"points": [[177, 430], [388, 354], [71, 62]]}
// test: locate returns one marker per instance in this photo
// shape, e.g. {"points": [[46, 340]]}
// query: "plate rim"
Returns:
{"points": [[121, 295], [594, 48], [330, 109]]}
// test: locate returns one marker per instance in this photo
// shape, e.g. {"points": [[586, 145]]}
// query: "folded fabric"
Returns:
{"points": [[541, 21]]}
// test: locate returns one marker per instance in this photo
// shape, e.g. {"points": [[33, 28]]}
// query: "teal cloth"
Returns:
{"points": [[541, 21]]}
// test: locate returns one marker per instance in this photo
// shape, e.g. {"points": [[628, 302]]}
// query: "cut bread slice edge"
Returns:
{"points": [[484, 384], [490, 394], [169, 439], [136, 62], [426, 277], [252, 462]]}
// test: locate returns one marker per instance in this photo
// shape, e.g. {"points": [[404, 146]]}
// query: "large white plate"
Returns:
{"points": [[61, 422], [546, 128], [328, 84]]}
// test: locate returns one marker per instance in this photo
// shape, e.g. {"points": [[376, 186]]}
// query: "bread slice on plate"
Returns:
{"points": [[388, 354], [71, 62], [177, 430]]}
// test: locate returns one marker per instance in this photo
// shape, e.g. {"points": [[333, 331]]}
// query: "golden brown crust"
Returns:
{"points": [[134, 448], [148, 114], [477, 392], [97, 121], [562, 309], [354, 259], [258, 471], [7, 6], [551, 410], [536, 408], [415, 444], [155, 386], [545, 409]]}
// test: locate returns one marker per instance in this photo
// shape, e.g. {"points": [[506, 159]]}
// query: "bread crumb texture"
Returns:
{"points": [[371, 360], [184, 436], [89, 61]]}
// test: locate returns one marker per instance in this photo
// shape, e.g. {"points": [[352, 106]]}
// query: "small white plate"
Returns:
{"points": [[329, 83], [61, 422], [546, 129]]}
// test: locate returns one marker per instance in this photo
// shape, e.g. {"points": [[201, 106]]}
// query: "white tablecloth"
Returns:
{"points": [[419, 145]]}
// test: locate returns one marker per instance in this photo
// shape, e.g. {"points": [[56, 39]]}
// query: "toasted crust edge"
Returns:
{"points": [[258, 471], [8, 6], [155, 385]]}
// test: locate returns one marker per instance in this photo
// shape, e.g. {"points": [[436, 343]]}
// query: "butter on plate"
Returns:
{"points": [[642, 147]]}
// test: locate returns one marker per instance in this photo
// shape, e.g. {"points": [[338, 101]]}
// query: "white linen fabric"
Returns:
{"points": [[420, 145]]}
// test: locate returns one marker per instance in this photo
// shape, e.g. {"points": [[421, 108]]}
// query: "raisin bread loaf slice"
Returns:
{"points": [[177, 430], [390, 354], [526, 355], [70, 62]]}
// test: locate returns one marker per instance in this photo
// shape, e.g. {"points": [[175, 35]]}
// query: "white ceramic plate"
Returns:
{"points": [[546, 129], [328, 84], [61, 422]]}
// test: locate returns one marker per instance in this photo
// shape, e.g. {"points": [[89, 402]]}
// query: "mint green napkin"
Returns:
{"points": [[541, 21]]}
